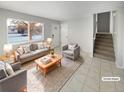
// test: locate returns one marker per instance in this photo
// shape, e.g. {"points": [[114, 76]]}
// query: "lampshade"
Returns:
{"points": [[8, 48], [49, 40]]}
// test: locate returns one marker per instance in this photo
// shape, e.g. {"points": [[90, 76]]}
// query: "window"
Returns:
{"points": [[24, 31], [36, 31]]}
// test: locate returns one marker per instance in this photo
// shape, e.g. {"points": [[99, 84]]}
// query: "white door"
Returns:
{"points": [[64, 34], [56, 34]]}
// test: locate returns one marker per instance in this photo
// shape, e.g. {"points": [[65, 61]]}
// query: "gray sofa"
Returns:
{"points": [[15, 82], [73, 54], [33, 54]]}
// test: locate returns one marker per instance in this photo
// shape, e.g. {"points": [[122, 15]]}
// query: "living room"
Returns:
{"points": [[50, 46]]}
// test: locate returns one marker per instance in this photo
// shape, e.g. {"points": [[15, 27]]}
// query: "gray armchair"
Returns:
{"points": [[73, 54], [16, 82]]}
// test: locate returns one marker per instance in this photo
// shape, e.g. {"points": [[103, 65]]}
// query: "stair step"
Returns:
{"points": [[104, 48], [103, 44], [106, 37], [104, 57], [104, 40], [106, 53]]}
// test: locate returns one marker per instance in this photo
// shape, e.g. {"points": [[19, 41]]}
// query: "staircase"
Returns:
{"points": [[104, 46]]}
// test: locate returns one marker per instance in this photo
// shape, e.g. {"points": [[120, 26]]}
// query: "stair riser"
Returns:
{"points": [[107, 39], [103, 34]]}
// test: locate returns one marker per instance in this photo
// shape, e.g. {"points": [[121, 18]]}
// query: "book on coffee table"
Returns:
{"points": [[45, 59]]}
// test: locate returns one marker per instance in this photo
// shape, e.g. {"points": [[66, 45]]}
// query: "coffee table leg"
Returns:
{"points": [[60, 63], [36, 66], [45, 72]]}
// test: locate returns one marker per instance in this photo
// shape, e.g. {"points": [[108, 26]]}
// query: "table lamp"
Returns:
{"points": [[8, 49], [49, 42]]}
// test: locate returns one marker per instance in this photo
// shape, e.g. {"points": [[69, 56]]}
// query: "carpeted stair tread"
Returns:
{"points": [[104, 46], [103, 52], [104, 57]]}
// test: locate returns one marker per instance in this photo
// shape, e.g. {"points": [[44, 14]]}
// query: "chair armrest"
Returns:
{"points": [[77, 51], [16, 66], [14, 82], [65, 47]]}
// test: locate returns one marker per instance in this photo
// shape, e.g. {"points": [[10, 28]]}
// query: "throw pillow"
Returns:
{"points": [[40, 45], [9, 69], [33, 47], [26, 48], [20, 50], [2, 74], [71, 46], [2, 67]]}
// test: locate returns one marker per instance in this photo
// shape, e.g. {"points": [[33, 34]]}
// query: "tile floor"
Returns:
{"points": [[88, 77]]}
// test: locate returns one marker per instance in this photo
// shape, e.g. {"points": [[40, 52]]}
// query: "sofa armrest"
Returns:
{"points": [[16, 66], [65, 47], [17, 56], [14, 82]]}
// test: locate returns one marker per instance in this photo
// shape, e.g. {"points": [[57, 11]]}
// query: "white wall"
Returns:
{"points": [[4, 14], [81, 31], [56, 32], [64, 33], [118, 35]]}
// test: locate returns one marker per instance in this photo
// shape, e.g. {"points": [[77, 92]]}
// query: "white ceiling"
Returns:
{"points": [[61, 10]]}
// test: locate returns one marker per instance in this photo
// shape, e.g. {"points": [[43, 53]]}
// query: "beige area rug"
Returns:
{"points": [[54, 80]]}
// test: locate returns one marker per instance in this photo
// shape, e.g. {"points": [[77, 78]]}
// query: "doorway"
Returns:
{"points": [[103, 22]]}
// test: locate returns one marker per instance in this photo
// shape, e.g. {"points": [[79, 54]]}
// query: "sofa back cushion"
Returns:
{"points": [[33, 47]]}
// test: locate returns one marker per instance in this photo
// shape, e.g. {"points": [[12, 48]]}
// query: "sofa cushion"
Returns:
{"points": [[68, 52], [2, 74], [16, 66], [32, 53], [33, 47], [26, 55]]}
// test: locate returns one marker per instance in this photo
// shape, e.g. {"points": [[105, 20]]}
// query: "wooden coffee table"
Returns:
{"points": [[45, 67]]}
